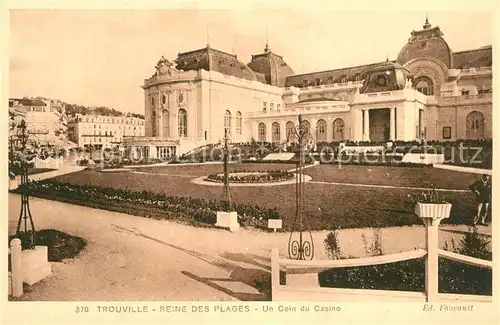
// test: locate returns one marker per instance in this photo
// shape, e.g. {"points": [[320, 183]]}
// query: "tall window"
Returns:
{"points": [[475, 125], [182, 122], [276, 132], [227, 122], [321, 130], [153, 124], [424, 85], [338, 129], [290, 130], [262, 132], [264, 106], [306, 126], [329, 80], [239, 122]]}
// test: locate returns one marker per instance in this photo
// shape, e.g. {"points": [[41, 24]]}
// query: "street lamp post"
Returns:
{"points": [[226, 193], [26, 144], [300, 248]]}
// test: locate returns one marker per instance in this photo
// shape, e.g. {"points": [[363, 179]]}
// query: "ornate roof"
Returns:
{"points": [[426, 42], [481, 57], [272, 66], [330, 76], [210, 59]]}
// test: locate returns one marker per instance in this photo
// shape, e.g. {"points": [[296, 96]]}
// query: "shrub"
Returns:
{"points": [[454, 277], [332, 245]]}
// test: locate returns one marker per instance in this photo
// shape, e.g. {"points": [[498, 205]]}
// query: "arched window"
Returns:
{"points": [[239, 123], [338, 129], [262, 132], [475, 125], [227, 122], [424, 85], [330, 80], [343, 79], [306, 126], [321, 130], [318, 81], [182, 122], [276, 132], [290, 131]]}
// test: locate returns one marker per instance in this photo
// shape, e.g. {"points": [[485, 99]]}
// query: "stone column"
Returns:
{"points": [[366, 121], [392, 126]]}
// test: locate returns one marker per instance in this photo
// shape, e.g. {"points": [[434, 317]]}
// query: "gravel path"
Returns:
{"points": [[133, 258]]}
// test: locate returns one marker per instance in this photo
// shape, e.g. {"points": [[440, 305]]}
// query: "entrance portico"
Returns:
{"points": [[379, 124]]}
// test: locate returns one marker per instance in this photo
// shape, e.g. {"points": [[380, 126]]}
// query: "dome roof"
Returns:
{"points": [[386, 76], [210, 59], [387, 65], [426, 42], [272, 66]]}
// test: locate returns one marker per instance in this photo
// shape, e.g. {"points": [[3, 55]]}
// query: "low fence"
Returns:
{"points": [[298, 272]]}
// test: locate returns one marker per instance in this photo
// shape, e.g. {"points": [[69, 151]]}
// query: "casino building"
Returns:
{"points": [[427, 92]]}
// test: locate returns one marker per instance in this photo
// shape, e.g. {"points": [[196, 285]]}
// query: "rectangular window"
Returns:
{"points": [[278, 107], [264, 106], [465, 92], [446, 132], [271, 107]]}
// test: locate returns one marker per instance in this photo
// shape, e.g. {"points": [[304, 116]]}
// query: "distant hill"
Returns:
{"points": [[73, 109]]}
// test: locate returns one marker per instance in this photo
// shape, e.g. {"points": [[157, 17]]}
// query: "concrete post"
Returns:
{"points": [[393, 124], [431, 215], [275, 271], [17, 267], [366, 121]]}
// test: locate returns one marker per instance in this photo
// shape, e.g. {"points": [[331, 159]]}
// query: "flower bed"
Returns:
{"points": [[253, 177], [195, 211]]}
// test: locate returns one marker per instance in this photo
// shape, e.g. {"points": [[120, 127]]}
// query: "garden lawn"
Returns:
{"points": [[205, 170], [393, 176], [327, 206], [34, 171]]}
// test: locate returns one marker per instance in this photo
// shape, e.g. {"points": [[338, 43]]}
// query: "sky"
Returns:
{"points": [[101, 57]]}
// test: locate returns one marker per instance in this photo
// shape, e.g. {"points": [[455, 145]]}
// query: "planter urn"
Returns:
{"points": [[433, 210]]}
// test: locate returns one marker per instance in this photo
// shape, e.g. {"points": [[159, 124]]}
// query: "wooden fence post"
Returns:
{"points": [[16, 267], [275, 271]]}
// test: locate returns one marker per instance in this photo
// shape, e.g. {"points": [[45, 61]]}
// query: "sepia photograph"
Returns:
{"points": [[263, 158]]}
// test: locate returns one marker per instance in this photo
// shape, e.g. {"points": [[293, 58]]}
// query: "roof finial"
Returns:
{"points": [[208, 35], [267, 39], [427, 24]]}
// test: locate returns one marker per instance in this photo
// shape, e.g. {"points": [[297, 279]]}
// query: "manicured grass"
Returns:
{"points": [[327, 206], [205, 170], [394, 176], [34, 171]]}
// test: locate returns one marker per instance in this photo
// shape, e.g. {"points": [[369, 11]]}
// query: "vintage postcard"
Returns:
{"points": [[306, 162]]}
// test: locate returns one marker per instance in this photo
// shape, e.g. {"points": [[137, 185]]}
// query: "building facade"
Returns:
{"points": [[428, 92], [45, 119], [101, 132]]}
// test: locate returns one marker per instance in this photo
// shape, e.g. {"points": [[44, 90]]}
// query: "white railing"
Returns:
{"points": [[300, 270]]}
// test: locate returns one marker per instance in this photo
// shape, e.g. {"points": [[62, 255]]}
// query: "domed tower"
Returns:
{"points": [[428, 42], [272, 66], [387, 76]]}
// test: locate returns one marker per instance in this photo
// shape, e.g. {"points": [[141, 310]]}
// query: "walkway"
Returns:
{"points": [[464, 169], [134, 258]]}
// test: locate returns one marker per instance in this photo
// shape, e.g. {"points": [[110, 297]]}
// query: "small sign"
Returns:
{"points": [[274, 224]]}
